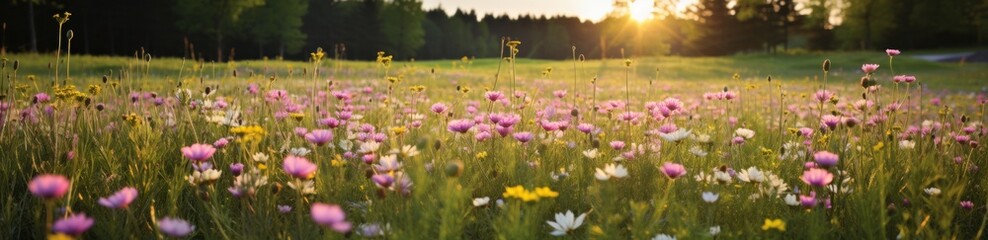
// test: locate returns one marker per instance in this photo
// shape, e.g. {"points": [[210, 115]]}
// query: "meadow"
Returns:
{"points": [[799, 146]]}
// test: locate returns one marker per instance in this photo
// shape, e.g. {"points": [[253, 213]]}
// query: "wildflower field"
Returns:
{"points": [[858, 145]]}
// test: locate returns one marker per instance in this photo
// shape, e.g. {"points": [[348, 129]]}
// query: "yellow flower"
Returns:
{"points": [[481, 155], [261, 166], [878, 147], [546, 192], [515, 191], [513, 44], [297, 116], [338, 161], [596, 230], [399, 130], [249, 133], [776, 224], [528, 196], [59, 236]]}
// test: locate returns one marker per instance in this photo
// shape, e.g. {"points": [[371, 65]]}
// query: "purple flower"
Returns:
{"points": [[330, 215], [301, 131], [617, 145], [383, 180], [299, 167], [460, 125], [673, 170], [585, 127], [439, 108], [49, 186], [236, 169], [319, 137], [523, 137], [826, 159], [493, 96], [968, 205], [198, 152], [830, 121], [73, 225], [174, 227], [817, 177], [808, 201], [284, 208], [41, 98], [120, 199]]}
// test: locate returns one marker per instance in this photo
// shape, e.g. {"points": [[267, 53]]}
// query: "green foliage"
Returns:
{"points": [[401, 23], [279, 23]]}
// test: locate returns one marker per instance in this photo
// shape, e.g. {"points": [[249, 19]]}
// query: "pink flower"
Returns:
{"points": [[673, 170], [220, 143], [817, 177], [330, 215], [617, 145], [493, 96], [439, 108], [830, 121], [559, 93], [73, 225], [826, 159], [823, 95], [383, 180], [299, 167], [460, 125], [869, 68], [319, 137], [174, 227], [198, 152], [585, 127], [49, 186], [892, 52], [523, 137], [120, 199]]}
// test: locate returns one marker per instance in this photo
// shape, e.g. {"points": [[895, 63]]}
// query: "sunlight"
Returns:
{"points": [[641, 10]]}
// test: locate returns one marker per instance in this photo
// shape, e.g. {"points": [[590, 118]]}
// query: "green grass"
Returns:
{"points": [[112, 151]]}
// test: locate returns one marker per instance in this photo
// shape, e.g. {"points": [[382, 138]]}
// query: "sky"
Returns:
{"points": [[593, 10]]}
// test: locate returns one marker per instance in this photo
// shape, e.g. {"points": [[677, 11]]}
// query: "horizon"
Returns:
{"points": [[585, 10]]}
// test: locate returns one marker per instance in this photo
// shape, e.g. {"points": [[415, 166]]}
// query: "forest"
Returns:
{"points": [[357, 29]]}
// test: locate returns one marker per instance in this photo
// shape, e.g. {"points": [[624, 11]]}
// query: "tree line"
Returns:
{"points": [[358, 29]]}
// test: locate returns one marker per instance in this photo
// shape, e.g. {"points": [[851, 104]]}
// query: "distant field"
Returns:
{"points": [[790, 68]]}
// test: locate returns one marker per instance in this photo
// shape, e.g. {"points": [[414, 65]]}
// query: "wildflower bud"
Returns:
{"points": [[574, 112], [276, 189], [826, 65], [234, 73], [725, 88], [595, 143], [104, 79], [437, 145], [16, 64], [69, 34], [964, 118], [453, 169], [867, 82], [99, 107]]}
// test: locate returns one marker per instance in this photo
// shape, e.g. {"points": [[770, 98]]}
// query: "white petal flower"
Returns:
{"points": [[791, 200], [479, 202], [611, 170], [590, 153], [907, 144], [710, 197], [698, 151], [751, 174], [663, 237], [932, 191], [369, 147], [745, 133], [260, 157], [714, 230], [565, 222], [679, 134]]}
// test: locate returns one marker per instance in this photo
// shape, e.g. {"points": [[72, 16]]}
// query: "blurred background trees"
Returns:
{"points": [[229, 29]]}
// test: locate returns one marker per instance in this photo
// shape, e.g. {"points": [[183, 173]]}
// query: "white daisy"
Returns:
{"points": [[679, 134], [710, 197], [611, 170], [590, 153], [479, 202], [932, 191], [751, 174], [745, 133], [565, 223], [663, 237]]}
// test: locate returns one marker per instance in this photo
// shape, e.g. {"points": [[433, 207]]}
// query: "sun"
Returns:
{"points": [[641, 10]]}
